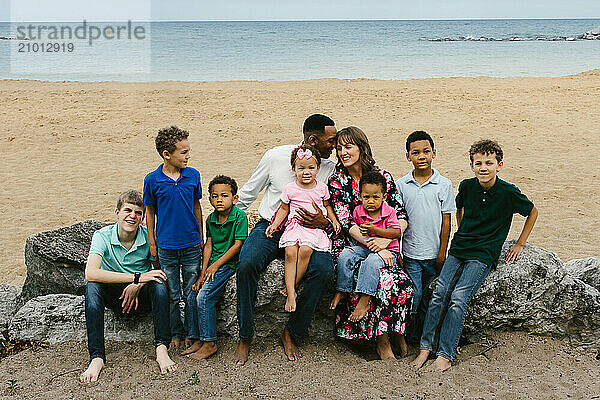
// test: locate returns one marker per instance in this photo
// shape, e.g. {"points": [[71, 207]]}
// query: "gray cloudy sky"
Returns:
{"points": [[77, 10]]}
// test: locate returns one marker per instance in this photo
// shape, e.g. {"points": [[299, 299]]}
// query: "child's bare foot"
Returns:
{"points": [[193, 348], [336, 299], [384, 348], [290, 302], [241, 352], [91, 374], [421, 359], [165, 363], [175, 343], [400, 343], [289, 348], [442, 364], [361, 308], [207, 350]]}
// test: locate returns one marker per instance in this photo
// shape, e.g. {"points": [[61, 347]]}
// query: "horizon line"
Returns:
{"points": [[320, 20]]}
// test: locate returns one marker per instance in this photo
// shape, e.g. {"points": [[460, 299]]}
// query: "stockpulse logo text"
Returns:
{"points": [[84, 31]]}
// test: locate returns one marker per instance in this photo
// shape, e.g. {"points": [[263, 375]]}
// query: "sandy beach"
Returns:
{"points": [[68, 148]]}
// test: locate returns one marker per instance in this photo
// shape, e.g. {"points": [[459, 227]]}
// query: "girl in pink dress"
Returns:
{"points": [[299, 241]]}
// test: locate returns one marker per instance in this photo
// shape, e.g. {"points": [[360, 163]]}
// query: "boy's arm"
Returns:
{"points": [[459, 214], [198, 215], [515, 251], [150, 221], [388, 233], [444, 238], [93, 273], [228, 256]]}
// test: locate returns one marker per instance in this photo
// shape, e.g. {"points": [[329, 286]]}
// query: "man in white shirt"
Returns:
{"points": [[272, 174]]}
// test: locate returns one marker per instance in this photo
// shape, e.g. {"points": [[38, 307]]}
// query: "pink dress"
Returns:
{"points": [[294, 233]]}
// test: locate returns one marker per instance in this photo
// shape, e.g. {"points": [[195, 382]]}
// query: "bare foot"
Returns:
{"points": [[241, 353], [400, 342], [91, 374], [442, 364], [290, 302], [384, 348], [193, 348], [188, 342], [289, 348], [207, 350], [421, 358], [361, 308], [336, 299], [175, 343], [165, 363]]}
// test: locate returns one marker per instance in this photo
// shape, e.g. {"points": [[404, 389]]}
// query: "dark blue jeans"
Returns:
{"points": [[178, 264], [457, 284], [152, 297], [421, 273], [256, 253]]}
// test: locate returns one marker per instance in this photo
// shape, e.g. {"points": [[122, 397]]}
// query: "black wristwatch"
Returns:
{"points": [[136, 278]]}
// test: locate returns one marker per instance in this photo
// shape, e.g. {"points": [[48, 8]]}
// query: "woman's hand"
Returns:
{"points": [[387, 257], [376, 244]]}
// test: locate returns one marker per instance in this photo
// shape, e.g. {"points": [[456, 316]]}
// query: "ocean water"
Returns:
{"points": [[214, 51]]}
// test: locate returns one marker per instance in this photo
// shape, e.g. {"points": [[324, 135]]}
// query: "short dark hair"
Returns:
{"points": [[315, 125], [373, 178], [225, 180], [314, 151], [167, 139], [418, 135], [486, 147], [131, 196]]}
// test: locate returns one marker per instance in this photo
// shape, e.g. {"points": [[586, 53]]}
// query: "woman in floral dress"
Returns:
{"points": [[390, 306]]}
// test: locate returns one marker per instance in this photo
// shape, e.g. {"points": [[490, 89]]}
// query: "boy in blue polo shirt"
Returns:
{"points": [[486, 205], [226, 230], [429, 201], [172, 196]]}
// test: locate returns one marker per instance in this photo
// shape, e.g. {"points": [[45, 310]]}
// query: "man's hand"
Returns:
{"points": [[387, 256], [514, 253], [439, 262], [270, 230], [367, 229], [155, 275], [376, 244], [130, 297], [210, 273], [311, 220]]}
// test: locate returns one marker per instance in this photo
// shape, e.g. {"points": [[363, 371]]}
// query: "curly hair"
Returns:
{"points": [[167, 139], [486, 147], [224, 180], [356, 136], [314, 151], [373, 178], [131, 196]]}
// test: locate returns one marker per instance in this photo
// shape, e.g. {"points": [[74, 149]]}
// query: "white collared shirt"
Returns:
{"points": [[272, 174]]}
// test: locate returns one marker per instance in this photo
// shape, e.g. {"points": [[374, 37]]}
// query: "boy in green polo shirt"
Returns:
{"points": [[485, 206], [226, 230]]}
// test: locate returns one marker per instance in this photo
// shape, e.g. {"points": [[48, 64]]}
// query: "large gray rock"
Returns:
{"points": [[536, 294], [61, 317], [585, 269], [56, 260], [9, 303]]}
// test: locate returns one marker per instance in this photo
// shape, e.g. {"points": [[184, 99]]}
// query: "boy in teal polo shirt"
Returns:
{"points": [[172, 196], [485, 206], [226, 230]]}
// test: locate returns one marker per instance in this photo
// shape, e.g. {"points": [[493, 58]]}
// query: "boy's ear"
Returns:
{"points": [[166, 154], [433, 153], [235, 199], [384, 196], [500, 164], [408, 156]]}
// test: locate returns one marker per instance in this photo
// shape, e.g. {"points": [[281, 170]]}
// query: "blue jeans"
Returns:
{"points": [[457, 284], [368, 270], [422, 273], [174, 263], [153, 296], [256, 253], [202, 320]]}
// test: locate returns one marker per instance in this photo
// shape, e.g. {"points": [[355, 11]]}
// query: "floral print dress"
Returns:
{"points": [[390, 306]]}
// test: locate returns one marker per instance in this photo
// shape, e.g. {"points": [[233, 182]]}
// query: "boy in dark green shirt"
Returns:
{"points": [[226, 230], [485, 206]]}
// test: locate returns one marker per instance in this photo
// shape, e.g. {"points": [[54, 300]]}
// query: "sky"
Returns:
{"points": [[119, 10]]}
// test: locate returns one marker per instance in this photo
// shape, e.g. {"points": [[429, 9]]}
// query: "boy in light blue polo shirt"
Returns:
{"points": [[429, 200], [172, 196]]}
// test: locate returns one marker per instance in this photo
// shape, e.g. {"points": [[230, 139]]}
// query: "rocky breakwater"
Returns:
{"points": [[538, 294]]}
